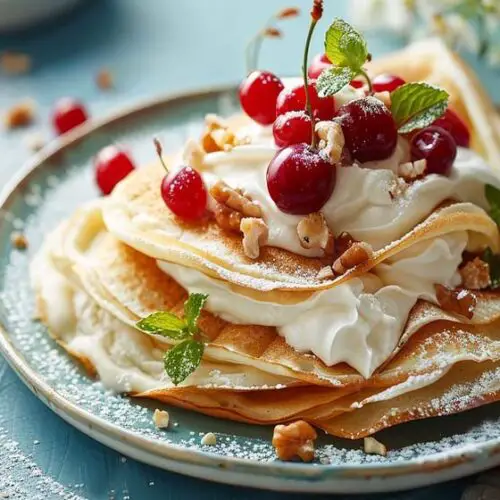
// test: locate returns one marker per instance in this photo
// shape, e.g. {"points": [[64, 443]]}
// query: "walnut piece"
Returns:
{"points": [[15, 63], [217, 135], [20, 115], [255, 234], [209, 439], [332, 140], [226, 218], [374, 447], [356, 254], [343, 242], [456, 301], [412, 170], [104, 79], [19, 241], [294, 440], [475, 274], [161, 419], [325, 273], [235, 200], [313, 231]]}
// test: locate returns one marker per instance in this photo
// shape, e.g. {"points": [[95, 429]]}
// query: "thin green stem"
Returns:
{"points": [[306, 80], [367, 78], [252, 50]]}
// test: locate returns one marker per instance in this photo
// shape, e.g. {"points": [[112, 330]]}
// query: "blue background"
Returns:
{"points": [[151, 47]]}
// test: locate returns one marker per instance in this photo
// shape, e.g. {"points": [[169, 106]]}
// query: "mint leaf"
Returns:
{"points": [[334, 79], [493, 262], [492, 195], [192, 310], [183, 359], [164, 323], [345, 46], [415, 105]]}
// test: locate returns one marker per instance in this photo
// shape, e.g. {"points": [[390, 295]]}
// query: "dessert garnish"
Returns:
{"points": [[183, 190], [21, 114], [295, 440], [111, 165], [182, 359], [67, 114]]}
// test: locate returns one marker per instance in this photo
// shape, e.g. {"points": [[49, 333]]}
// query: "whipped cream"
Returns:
{"points": [[358, 322]]}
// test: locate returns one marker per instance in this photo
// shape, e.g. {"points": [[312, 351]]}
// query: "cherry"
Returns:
{"points": [[369, 129], [319, 63], [292, 128], [386, 82], [68, 113], [111, 166], [299, 180], [184, 192], [357, 84], [258, 94], [437, 146], [294, 99], [453, 124]]}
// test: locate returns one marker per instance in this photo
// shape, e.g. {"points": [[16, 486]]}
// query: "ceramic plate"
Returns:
{"points": [[49, 189]]}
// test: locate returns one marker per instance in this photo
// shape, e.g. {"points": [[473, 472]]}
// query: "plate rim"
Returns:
{"points": [[444, 465]]}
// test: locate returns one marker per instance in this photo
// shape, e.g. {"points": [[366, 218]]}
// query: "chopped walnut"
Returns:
{"points": [[209, 439], [374, 447], [255, 234], [161, 418], [217, 135], [332, 140], [235, 200], [15, 63], [412, 170], [475, 274], [325, 273], [104, 79], [397, 188], [313, 231], [20, 115], [19, 241], [227, 219], [385, 97], [343, 242], [460, 302], [294, 440], [193, 155], [356, 254]]}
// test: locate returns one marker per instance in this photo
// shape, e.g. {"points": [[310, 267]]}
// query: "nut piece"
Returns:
{"points": [[475, 274], [15, 63], [374, 447], [460, 302], [255, 234], [217, 135], [412, 170], [227, 219], [161, 418], [332, 140], [20, 115], [193, 155], [356, 254], [209, 439], [294, 440], [313, 231], [104, 79], [325, 272], [235, 200], [19, 241]]}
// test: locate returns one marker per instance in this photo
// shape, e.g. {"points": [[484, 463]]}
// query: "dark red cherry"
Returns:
{"points": [[258, 95], [369, 129], [319, 63], [299, 180], [294, 99], [386, 82], [184, 192], [68, 113], [437, 146], [453, 124], [111, 166], [293, 127]]}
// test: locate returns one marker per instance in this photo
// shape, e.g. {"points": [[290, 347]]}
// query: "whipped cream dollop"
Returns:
{"points": [[358, 322]]}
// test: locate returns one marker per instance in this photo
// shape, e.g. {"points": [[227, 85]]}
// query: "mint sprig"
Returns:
{"points": [[184, 358], [417, 104], [492, 195], [493, 262]]}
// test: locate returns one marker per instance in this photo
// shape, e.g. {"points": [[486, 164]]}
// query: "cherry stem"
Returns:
{"points": [[159, 152], [368, 79], [306, 79], [252, 50]]}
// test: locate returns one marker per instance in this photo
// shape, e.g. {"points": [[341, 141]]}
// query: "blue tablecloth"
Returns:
{"points": [[151, 47]]}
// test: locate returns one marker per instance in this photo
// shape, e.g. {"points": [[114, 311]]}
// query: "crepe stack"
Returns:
{"points": [[99, 273]]}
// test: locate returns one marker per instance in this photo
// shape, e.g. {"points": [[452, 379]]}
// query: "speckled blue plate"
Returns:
{"points": [[49, 189]]}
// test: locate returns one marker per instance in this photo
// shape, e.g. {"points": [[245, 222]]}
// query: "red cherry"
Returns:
{"points": [[453, 124], [357, 84], [386, 82], [68, 113], [299, 180], [369, 129], [111, 166], [184, 192], [258, 94], [292, 128], [294, 99], [319, 63], [437, 146]]}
